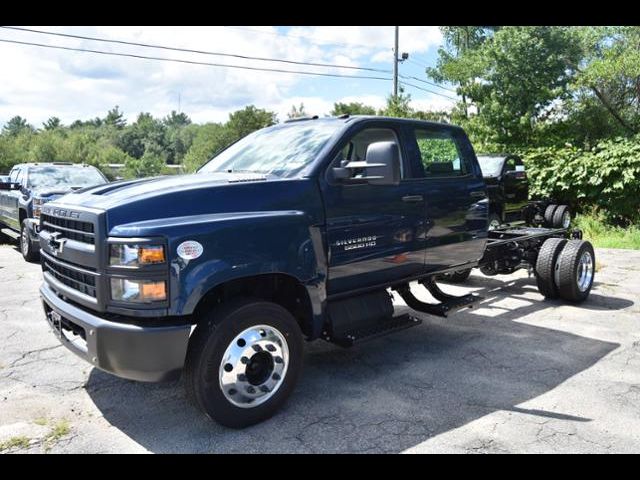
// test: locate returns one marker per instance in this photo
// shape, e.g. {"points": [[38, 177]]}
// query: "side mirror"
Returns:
{"points": [[9, 186], [381, 166]]}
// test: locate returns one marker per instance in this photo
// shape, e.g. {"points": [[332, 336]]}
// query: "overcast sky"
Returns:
{"points": [[37, 83]]}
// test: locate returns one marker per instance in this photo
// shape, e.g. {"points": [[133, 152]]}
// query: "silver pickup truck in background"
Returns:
{"points": [[31, 185]]}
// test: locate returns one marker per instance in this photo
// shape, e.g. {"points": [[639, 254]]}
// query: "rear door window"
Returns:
{"points": [[440, 154]]}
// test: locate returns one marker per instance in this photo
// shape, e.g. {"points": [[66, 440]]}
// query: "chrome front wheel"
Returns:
{"points": [[253, 366]]}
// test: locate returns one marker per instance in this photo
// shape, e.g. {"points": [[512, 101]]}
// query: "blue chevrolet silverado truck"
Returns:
{"points": [[31, 185], [298, 231]]}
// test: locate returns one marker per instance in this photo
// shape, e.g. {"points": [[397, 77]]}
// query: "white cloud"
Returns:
{"points": [[38, 83]]}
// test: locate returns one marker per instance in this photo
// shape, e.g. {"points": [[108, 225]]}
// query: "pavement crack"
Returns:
{"points": [[32, 352]]}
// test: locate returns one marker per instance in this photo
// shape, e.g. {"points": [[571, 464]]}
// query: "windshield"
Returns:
{"points": [[64, 177], [491, 166], [282, 151]]}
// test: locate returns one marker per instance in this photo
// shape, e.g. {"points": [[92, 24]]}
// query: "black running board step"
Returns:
{"points": [[378, 329], [445, 308]]}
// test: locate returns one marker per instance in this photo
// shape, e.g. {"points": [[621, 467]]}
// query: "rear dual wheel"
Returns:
{"points": [[557, 216], [565, 269]]}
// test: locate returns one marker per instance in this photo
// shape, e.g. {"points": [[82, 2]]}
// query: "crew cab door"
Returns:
{"points": [[516, 185], [445, 167], [374, 233]]}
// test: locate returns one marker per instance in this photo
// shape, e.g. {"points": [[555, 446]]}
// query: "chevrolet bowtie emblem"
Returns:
{"points": [[56, 243]]}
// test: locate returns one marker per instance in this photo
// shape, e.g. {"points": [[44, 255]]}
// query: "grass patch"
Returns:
{"points": [[40, 421], [13, 442], [603, 235], [58, 431]]}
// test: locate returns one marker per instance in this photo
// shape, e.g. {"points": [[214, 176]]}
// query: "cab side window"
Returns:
{"points": [[356, 149], [439, 154], [510, 165], [13, 175]]}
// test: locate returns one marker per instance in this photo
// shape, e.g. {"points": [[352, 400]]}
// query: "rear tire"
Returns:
{"points": [[562, 217], [546, 265], [259, 340], [576, 269], [548, 214], [29, 251]]}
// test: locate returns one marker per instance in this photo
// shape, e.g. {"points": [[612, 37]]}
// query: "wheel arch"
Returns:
{"points": [[280, 288]]}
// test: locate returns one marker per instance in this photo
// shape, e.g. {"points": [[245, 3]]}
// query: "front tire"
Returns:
{"points": [[243, 361], [27, 248]]}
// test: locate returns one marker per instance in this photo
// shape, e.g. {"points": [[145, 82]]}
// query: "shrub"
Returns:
{"points": [[606, 177]]}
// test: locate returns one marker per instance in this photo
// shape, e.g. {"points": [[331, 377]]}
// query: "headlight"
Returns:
{"points": [[132, 255], [138, 291], [37, 207]]}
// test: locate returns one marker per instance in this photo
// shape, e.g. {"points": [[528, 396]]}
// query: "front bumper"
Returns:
{"points": [[148, 354]]}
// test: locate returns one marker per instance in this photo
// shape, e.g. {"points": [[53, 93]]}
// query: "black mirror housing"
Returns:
{"points": [[386, 158], [9, 186]]}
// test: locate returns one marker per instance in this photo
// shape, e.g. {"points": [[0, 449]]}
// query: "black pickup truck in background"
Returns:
{"points": [[508, 191], [29, 187]]}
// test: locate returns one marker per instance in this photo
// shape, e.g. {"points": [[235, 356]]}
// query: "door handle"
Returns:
{"points": [[478, 194], [413, 198]]}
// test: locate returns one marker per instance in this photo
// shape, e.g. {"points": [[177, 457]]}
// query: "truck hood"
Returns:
{"points": [[189, 196], [104, 197]]}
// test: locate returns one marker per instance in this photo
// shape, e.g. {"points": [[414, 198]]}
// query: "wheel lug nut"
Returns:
{"points": [[278, 359], [228, 367], [271, 348], [275, 376], [251, 390], [264, 388], [242, 377], [244, 360], [256, 348], [232, 391]]}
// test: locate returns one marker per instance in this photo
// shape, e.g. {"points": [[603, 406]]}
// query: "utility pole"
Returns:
{"points": [[395, 64]]}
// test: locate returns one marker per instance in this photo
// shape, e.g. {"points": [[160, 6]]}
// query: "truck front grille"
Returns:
{"points": [[78, 280], [71, 229]]}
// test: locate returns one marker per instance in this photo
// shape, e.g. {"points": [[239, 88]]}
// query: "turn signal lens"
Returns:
{"points": [[132, 255], [150, 255]]}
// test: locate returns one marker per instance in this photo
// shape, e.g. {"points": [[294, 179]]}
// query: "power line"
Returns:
{"points": [[427, 90], [192, 62], [428, 83], [422, 65], [202, 52]]}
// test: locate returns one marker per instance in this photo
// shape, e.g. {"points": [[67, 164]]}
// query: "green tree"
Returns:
{"points": [[398, 106], [115, 118], [352, 108], [249, 119], [16, 126], [176, 120], [610, 70], [208, 140], [297, 112], [149, 165], [52, 123]]}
